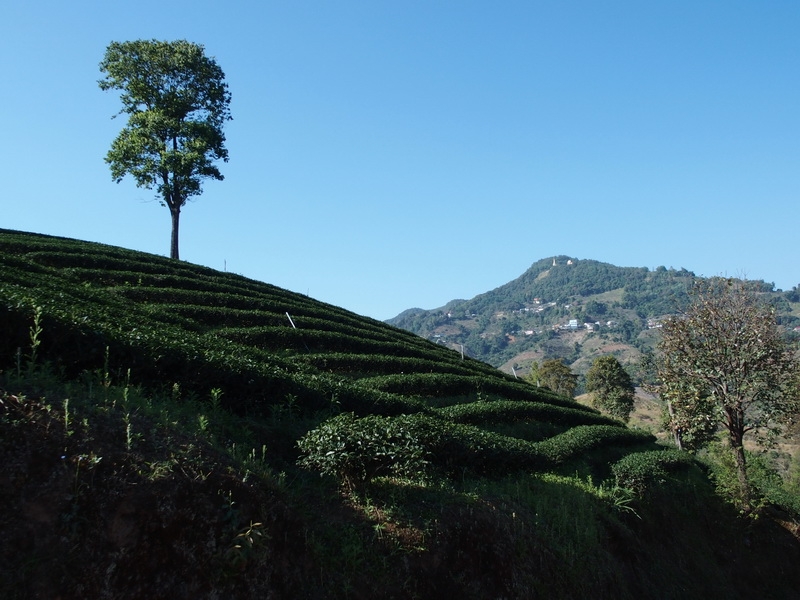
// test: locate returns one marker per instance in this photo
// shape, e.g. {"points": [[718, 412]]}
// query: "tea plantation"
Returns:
{"points": [[174, 430]]}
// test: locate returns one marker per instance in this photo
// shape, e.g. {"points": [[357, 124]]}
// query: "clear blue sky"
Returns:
{"points": [[388, 155]]}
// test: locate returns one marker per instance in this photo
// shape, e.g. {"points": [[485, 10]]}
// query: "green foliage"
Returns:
{"points": [[770, 487], [458, 450], [357, 450], [166, 364], [643, 472], [726, 359], [455, 385], [506, 411], [594, 290], [533, 375], [151, 330], [585, 438], [729, 347], [245, 546], [611, 387], [558, 377], [767, 487], [360, 365], [723, 468], [690, 412]]}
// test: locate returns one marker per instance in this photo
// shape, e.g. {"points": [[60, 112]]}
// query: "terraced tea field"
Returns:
{"points": [[169, 424], [170, 321]]}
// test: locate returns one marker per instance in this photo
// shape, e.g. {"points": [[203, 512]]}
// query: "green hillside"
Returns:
{"points": [[165, 426], [613, 310]]}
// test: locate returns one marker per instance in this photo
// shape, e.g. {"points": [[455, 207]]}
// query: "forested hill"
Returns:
{"points": [[568, 308]]}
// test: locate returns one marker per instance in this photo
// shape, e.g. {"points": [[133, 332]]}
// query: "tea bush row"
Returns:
{"points": [[427, 384], [514, 389], [214, 317], [379, 364], [642, 472], [510, 411], [447, 384], [179, 283], [355, 450], [314, 341], [126, 277], [319, 321], [62, 259], [18, 242], [94, 262], [105, 317], [251, 383], [81, 330], [185, 334], [583, 438], [160, 295]]}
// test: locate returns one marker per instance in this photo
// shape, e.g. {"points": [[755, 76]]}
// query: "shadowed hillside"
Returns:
{"points": [[164, 427]]}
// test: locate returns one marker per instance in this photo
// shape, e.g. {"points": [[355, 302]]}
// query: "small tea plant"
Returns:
{"points": [[357, 450]]}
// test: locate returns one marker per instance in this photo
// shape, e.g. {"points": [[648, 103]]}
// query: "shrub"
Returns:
{"points": [[768, 487], [508, 411], [356, 450], [443, 384], [378, 364], [583, 438], [642, 472], [460, 449]]}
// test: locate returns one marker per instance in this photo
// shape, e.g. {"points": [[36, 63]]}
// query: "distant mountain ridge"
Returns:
{"points": [[568, 308]]}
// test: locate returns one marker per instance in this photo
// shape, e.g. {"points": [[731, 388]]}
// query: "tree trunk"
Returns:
{"points": [[737, 446], [176, 215], [676, 432], [744, 484]]}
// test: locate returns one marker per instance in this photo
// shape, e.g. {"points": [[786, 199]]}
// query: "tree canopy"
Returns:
{"points": [[177, 101], [611, 387], [725, 363], [554, 375]]}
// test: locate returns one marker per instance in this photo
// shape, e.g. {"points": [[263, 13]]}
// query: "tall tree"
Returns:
{"points": [[726, 362], [558, 377], [533, 375], [611, 387], [176, 100]]}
